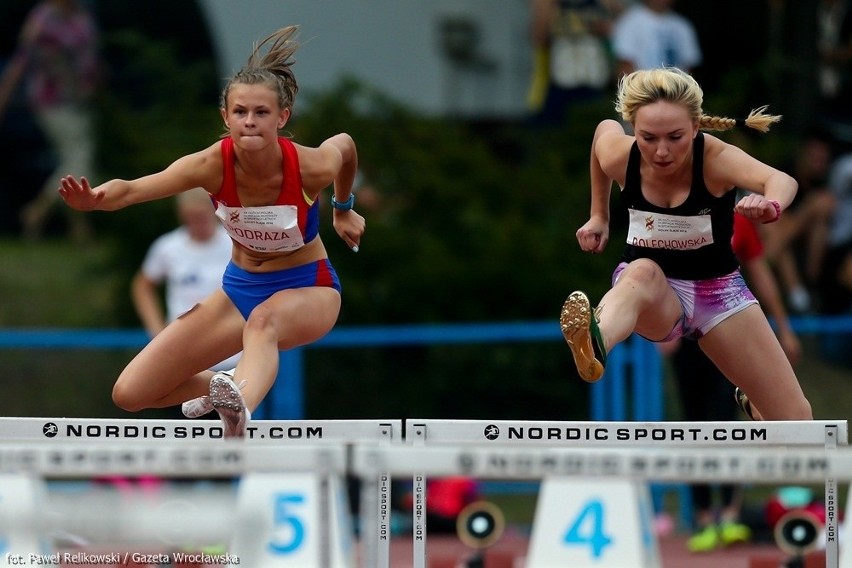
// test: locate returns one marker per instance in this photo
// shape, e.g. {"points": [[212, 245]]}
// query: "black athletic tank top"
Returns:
{"points": [[691, 241]]}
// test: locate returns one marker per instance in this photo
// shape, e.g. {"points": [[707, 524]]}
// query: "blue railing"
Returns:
{"points": [[632, 388]]}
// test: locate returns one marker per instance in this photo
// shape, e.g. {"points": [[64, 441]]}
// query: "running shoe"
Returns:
{"points": [[705, 540], [579, 325], [743, 402], [228, 402], [734, 533], [198, 407]]}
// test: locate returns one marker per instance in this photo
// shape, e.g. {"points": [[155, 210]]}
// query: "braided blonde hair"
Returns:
{"points": [[272, 69], [674, 85]]}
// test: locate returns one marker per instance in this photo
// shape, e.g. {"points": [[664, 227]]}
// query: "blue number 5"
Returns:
{"points": [[284, 516]]}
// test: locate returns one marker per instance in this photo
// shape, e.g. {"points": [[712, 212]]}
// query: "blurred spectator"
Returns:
{"points": [[834, 43], [835, 289], [706, 395], [189, 260], [447, 497], [57, 58], [805, 222], [651, 34], [572, 62]]}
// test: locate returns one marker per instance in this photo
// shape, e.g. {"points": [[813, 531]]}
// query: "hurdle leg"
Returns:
{"points": [[324, 540], [418, 530], [376, 510], [418, 508], [384, 536], [832, 548], [375, 519]]}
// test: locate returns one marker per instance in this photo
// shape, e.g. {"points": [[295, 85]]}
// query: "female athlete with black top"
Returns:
{"points": [[678, 275]]}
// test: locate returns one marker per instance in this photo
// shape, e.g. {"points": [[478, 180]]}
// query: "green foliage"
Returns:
{"points": [[474, 222], [55, 284], [155, 109]]}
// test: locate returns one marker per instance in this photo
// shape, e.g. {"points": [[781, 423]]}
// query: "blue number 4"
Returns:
{"points": [[588, 529]]}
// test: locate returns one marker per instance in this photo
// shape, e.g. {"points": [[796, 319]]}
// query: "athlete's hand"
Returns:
{"points": [[593, 236], [757, 208], [349, 226], [79, 195]]}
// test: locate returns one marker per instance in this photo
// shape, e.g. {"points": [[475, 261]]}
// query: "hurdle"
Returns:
{"points": [[24, 464], [259, 487], [596, 436], [668, 464]]}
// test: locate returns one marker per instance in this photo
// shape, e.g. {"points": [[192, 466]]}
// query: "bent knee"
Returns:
{"points": [[261, 319], [798, 410], [125, 398], [644, 275], [642, 271], [804, 410]]}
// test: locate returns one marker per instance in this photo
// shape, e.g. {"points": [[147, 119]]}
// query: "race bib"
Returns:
{"points": [[673, 232]]}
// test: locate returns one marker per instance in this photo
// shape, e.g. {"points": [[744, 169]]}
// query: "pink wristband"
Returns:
{"points": [[777, 207]]}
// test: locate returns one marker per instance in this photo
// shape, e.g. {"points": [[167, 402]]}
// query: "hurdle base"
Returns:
{"points": [[815, 559]]}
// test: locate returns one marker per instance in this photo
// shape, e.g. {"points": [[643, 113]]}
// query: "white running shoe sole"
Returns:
{"points": [[198, 407], [226, 399]]}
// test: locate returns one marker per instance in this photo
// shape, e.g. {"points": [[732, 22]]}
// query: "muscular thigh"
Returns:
{"points": [[745, 349], [661, 321], [200, 338], [300, 315], [659, 308], [208, 333]]}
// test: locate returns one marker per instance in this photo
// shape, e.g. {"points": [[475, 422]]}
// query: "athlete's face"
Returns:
{"points": [[253, 116], [664, 133]]}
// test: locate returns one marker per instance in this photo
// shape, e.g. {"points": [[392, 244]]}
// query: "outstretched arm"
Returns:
{"points": [[195, 170]]}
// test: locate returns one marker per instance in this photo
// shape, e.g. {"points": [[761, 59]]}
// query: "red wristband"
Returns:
{"points": [[777, 207]]}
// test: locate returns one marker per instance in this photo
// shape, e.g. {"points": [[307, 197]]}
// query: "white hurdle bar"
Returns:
{"points": [[67, 460], [375, 527], [669, 464], [271, 431], [592, 436], [202, 459]]}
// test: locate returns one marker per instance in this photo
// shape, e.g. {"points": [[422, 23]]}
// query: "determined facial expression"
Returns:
{"points": [[253, 116], [664, 132]]}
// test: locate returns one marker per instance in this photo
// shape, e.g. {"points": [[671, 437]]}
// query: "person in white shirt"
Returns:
{"points": [[650, 35], [188, 262]]}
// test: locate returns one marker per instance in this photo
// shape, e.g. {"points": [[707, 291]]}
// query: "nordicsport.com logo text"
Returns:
{"points": [[196, 431], [640, 434]]}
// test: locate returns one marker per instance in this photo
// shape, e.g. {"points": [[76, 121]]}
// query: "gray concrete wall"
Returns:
{"points": [[398, 46]]}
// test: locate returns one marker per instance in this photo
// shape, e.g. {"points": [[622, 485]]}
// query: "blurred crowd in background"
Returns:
{"points": [[58, 85], [582, 46], [56, 79]]}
